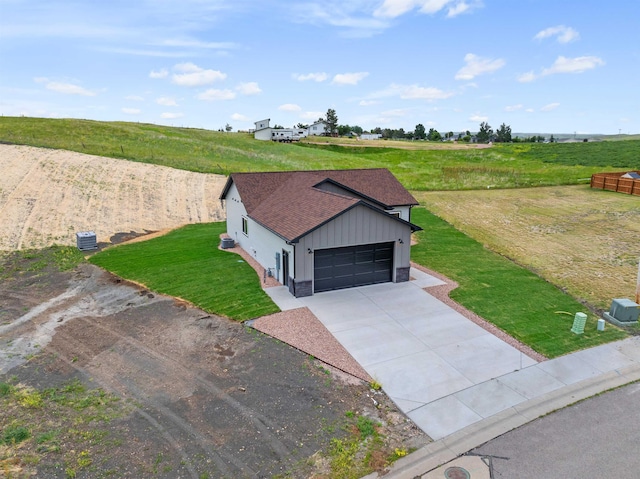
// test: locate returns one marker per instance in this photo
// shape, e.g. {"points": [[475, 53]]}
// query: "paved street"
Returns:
{"points": [[597, 438]]}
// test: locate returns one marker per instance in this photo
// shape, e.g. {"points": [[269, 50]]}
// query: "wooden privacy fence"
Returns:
{"points": [[615, 182]]}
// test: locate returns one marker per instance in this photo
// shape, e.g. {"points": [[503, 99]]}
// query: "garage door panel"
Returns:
{"points": [[350, 266]]}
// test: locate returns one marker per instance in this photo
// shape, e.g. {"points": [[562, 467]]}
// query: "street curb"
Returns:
{"points": [[448, 448]]}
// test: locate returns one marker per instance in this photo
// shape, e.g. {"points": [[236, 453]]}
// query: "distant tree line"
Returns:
{"points": [[485, 133]]}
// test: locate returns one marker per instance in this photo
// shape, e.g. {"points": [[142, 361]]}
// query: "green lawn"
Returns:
{"points": [[186, 263], [509, 296], [422, 169]]}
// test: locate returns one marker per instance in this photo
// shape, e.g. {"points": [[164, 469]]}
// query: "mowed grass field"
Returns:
{"points": [[585, 241], [425, 167], [516, 199]]}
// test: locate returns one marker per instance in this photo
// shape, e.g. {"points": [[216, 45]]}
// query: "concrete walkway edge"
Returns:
{"points": [[448, 448]]}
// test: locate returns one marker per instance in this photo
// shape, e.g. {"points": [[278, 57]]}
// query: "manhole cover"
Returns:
{"points": [[456, 472]]}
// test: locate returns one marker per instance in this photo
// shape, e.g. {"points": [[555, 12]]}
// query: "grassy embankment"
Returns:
{"points": [[432, 167], [513, 298], [504, 166], [186, 263]]}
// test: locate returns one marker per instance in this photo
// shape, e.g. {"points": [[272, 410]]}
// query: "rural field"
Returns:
{"points": [[582, 240], [138, 383]]}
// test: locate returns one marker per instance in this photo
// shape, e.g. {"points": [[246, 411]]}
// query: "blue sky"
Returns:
{"points": [[544, 66]]}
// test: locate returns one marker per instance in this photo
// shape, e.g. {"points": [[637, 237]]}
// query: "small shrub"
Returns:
{"points": [[5, 389], [366, 426], [14, 435], [30, 398]]}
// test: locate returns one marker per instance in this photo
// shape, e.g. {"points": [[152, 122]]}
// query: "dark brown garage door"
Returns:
{"points": [[339, 268]]}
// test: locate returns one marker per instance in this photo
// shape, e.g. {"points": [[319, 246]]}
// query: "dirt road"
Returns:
{"points": [[46, 196]]}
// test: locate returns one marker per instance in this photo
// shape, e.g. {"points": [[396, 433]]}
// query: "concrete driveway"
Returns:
{"points": [[446, 373], [419, 349]]}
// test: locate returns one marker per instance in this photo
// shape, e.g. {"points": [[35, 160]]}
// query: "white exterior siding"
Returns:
{"points": [[264, 134], [317, 129], [259, 242]]}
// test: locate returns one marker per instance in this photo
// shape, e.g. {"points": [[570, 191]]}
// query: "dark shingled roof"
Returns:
{"points": [[289, 203]]}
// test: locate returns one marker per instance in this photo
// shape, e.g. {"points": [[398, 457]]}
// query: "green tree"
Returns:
{"points": [[419, 133], [228, 127], [503, 134], [302, 126], [331, 121], [485, 134], [434, 135]]}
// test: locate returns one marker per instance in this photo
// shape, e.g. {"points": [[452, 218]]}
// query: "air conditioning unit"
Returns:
{"points": [[623, 312], [86, 240]]}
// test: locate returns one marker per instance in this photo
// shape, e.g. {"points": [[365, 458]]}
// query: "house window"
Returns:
{"points": [[245, 226], [395, 213]]}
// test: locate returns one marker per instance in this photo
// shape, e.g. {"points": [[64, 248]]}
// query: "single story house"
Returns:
{"points": [[323, 230]]}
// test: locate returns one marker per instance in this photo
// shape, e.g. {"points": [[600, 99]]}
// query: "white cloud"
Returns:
{"points": [[166, 101], [312, 115], [527, 77], [410, 92], [367, 102], [513, 107], [215, 95], [564, 65], [65, 88], [239, 117], [133, 98], [197, 44], [349, 78], [250, 88], [563, 34], [171, 116], [478, 118], [550, 107], [395, 8], [193, 75], [573, 65], [131, 111], [159, 73], [476, 65], [317, 77], [529, 110], [289, 107]]}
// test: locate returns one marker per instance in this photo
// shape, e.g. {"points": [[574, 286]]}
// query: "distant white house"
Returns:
{"points": [[265, 132], [370, 136], [318, 128]]}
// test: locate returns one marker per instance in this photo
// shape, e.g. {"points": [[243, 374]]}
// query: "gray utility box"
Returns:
{"points": [[227, 243], [86, 240], [623, 312]]}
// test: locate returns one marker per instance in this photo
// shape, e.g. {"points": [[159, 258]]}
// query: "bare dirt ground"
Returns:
{"points": [[202, 396], [46, 196], [583, 240]]}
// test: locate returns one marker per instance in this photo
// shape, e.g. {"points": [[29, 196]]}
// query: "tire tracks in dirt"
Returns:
{"points": [[262, 423]]}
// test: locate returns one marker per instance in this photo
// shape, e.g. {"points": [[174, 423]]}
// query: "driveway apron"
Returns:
{"points": [[418, 348], [441, 369]]}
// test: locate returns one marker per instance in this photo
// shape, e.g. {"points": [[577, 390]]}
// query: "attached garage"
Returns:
{"points": [[323, 230], [338, 268]]}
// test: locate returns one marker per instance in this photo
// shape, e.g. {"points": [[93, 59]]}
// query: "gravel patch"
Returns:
{"points": [[302, 330]]}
